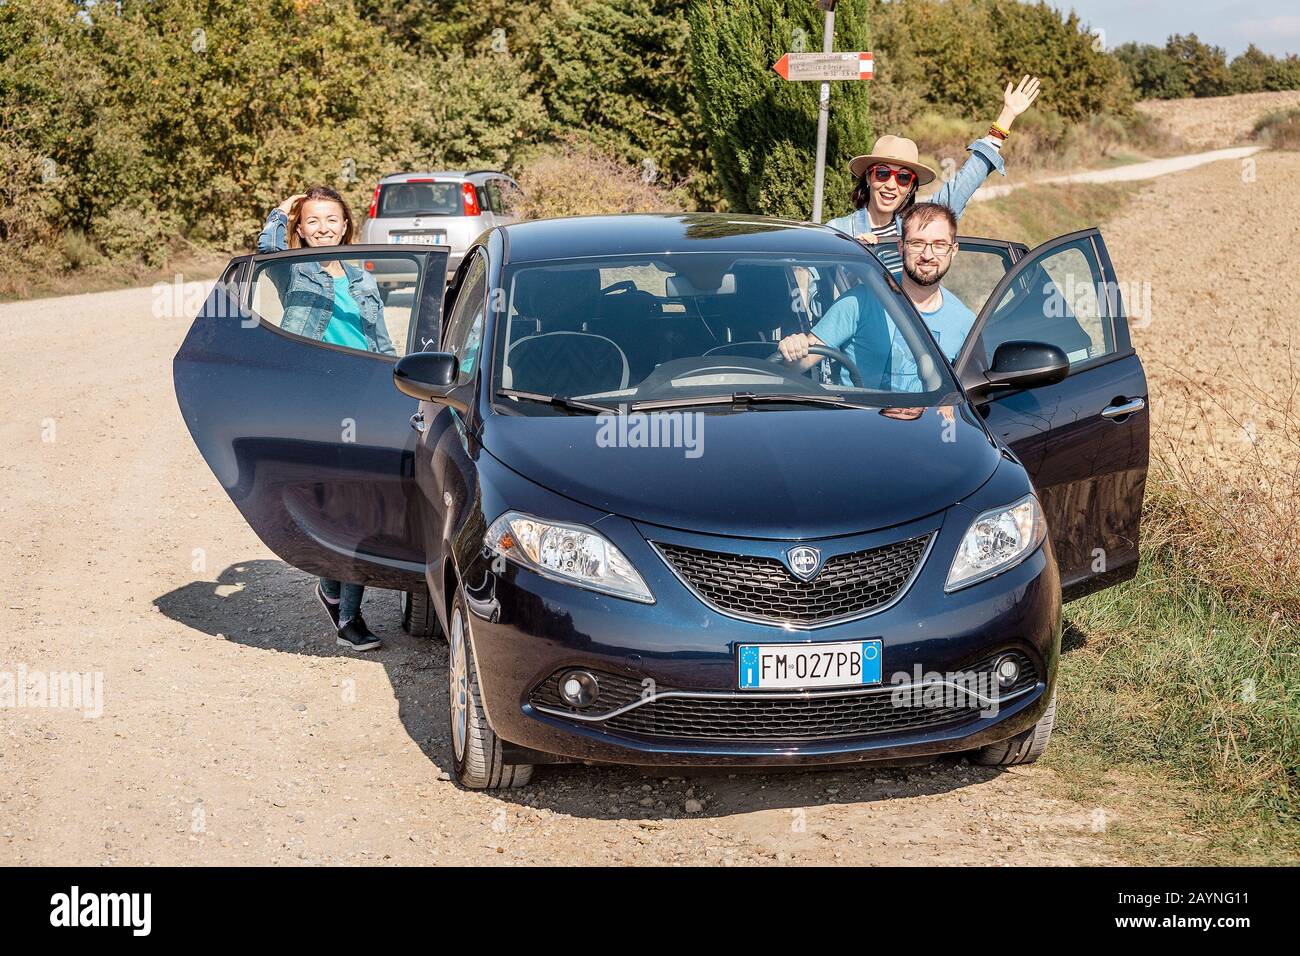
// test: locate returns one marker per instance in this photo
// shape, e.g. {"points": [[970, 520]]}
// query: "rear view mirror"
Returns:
{"points": [[428, 376], [1025, 365]]}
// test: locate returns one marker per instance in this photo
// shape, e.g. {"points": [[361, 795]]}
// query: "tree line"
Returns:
{"points": [[126, 125]]}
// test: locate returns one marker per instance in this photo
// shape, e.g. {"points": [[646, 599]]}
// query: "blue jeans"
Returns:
{"points": [[348, 595]]}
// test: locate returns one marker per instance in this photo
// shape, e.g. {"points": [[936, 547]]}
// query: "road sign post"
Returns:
{"points": [[824, 67]]}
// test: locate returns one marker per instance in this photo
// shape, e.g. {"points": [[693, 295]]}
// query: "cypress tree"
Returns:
{"points": [[761, 129]]}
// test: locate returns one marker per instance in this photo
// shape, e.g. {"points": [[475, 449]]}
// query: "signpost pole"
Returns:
{"points": [[823, 112]]}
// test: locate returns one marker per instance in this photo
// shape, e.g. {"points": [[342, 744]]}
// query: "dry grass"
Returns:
{"points": [[1216, 121], [576, 179]]}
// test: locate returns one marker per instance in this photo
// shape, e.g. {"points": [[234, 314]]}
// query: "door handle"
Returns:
{"points": [[1124, 408], [417, 422]]}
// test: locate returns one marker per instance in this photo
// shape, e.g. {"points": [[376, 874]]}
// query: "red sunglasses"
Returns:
{"points": [[882, 174]]}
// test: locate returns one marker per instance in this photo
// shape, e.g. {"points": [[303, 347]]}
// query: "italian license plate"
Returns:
{"points": [[799, 666], [421, 238]]}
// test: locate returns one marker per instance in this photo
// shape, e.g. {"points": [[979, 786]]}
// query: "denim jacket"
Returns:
{"points": [[307, 292], [954, 194]]}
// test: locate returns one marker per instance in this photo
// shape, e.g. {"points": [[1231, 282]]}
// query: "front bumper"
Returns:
{"points": [[524, 628]]}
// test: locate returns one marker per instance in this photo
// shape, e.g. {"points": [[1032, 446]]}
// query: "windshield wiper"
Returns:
{"points": [[740, 400], [557, 401]]}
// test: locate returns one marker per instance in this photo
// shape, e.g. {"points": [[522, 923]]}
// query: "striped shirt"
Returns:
{"points": [[886, 246]]}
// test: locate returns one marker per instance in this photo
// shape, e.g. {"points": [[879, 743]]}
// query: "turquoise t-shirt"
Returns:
{"points": [[345, 321], [858, 325]]}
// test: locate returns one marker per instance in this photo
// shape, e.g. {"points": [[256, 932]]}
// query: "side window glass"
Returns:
{"points": [[465, 328], [366, 304], [494, 195], [1061, 300], [975, 271]]}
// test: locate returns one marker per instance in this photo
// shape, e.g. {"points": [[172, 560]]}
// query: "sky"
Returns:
{"points": [[1272, 25]]}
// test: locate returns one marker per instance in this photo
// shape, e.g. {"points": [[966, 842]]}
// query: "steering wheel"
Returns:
{"points": [[626, 285], [855, 376]]}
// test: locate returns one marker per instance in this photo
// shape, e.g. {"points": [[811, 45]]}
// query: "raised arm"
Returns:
{"points": [[274, 235], [986, 156]]}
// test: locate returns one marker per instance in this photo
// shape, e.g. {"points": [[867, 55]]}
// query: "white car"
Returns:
{"points": [[449, 209]]}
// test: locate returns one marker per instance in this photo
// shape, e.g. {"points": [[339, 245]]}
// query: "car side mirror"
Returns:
{"points": [[430, 377], [1024, 365]]}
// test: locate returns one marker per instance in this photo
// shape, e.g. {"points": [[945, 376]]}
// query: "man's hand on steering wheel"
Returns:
{"points": [[804, 349], [795, 347]]}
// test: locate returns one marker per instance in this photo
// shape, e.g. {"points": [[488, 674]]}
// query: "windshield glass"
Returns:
{"points": [[671, 330]]}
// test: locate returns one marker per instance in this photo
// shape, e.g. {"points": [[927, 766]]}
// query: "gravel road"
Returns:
{"points": [[233, 730]]}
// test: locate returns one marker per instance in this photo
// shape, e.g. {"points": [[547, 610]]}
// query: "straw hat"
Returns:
{"points": [[897, 150]]}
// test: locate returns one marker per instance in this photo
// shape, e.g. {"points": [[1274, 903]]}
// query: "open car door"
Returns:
{"points": [[295, 411], [1085, 439]]}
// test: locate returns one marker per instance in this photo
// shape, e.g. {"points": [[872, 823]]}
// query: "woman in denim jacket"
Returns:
{"points": [[334, 302], [887, 179]]}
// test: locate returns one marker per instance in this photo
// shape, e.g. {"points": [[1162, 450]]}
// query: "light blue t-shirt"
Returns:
{"points": [[858, 325], [345, 321]]}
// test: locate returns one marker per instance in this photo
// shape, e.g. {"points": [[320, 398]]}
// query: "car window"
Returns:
{"points": [[974, 273], [646, 328], [465, 327], [364, 304], [420, 199], [495, 200], [1060, 300]]}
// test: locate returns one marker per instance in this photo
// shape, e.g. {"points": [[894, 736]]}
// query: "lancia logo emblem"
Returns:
{"points": [[804, 562]]}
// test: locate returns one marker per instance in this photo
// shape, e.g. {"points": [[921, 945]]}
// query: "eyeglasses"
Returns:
{"points": [[882, 174], [941, 247]]}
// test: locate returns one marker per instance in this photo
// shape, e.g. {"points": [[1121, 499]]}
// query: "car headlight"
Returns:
{"points": [[997, 540], [569, 553]]}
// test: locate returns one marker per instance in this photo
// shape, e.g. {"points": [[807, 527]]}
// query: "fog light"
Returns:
{"points": [[1008, 670], [578, 688]]}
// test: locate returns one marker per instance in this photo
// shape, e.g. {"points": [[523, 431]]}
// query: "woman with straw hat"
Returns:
{"points": [[886, 180]]}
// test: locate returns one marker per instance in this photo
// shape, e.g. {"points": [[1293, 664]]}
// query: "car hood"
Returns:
{"points": [[785, 474]]}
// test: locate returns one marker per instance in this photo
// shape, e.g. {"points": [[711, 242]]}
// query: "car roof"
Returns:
{"points": [[444, 174], [579, 237]]}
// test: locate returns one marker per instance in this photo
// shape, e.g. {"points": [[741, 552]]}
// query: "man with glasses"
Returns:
{"points": [[858, 325]]}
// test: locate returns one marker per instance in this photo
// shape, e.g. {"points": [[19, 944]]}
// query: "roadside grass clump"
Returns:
{"points": [[1280, 129], [1165, 670]]}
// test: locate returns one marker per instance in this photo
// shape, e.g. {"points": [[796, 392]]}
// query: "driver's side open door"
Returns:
{"points": [[311, 440], [1084, 440]]}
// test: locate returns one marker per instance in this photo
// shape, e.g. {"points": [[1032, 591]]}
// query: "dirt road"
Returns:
{"points": [[233, 730]]}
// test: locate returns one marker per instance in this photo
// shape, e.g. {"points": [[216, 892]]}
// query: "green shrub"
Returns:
{"points": [[136, 232]]}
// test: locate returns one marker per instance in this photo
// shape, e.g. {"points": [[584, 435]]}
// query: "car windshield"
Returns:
{"points": [[420, 199], [661, 331]]}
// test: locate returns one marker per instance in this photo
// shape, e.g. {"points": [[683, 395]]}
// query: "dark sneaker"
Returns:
{"points": [[331, 609], [356, 635]]}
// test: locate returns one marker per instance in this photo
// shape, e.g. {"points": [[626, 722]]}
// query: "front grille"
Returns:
{"points": [[755, 715], [764, 588]]}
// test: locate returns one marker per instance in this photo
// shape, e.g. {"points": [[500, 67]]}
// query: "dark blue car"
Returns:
{"points": [[646, 538]]}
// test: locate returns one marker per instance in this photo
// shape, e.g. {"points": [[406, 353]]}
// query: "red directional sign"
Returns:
{"points": [[826, 66]]}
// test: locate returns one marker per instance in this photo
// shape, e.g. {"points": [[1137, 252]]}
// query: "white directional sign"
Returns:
{"points": [[826, 66]]}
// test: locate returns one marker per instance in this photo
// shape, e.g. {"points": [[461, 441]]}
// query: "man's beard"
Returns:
{"points": [[940, 271]]}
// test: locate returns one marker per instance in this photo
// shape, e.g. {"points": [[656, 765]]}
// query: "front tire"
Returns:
{"points": [[475, 747], [1025, 747]]}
